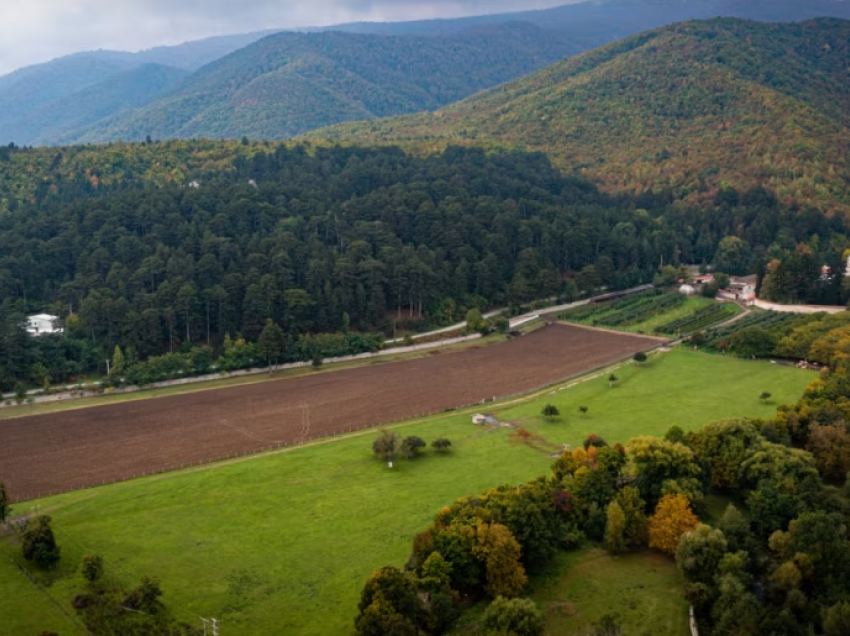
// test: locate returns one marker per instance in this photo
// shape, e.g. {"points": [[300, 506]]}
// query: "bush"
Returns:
{"points": [[38, 543], [594, 440], [517, 617], [550, 412], [639, 357], [441, 444]]}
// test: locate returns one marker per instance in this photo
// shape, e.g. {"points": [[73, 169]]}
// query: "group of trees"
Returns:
{"points": [[389, 444], [776, 562], [336, 240]]}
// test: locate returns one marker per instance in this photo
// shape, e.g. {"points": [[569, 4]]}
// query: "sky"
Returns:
{"points": [[33, 31]]}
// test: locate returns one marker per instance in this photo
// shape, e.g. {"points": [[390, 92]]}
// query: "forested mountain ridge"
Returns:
{"points": [[128, 89], [45, 86], [579, 27], [691, 107], [289, 83]]}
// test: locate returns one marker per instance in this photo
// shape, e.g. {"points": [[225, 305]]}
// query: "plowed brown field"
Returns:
{"points": [[52, 453]]}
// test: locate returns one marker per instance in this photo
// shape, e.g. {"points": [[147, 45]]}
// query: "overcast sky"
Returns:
{"points": [[33, 31]]}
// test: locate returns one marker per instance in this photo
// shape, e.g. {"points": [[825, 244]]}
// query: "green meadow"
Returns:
{"points": [[281, 543]]}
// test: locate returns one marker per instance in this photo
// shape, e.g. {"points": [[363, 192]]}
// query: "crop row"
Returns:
{"points": [[638, 312], [588, 311], [768, 320], [702, 319]]}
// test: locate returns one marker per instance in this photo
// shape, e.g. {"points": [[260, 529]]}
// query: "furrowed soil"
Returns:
{"points": [[53, 453]]}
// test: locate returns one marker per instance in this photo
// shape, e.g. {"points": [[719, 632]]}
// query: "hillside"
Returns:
{"points": [[289, 83], [48, 85], [319, 89], [689, 108], [128, 89]]}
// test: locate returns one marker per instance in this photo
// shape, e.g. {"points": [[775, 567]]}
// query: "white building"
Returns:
{"points": [[41, 324]]}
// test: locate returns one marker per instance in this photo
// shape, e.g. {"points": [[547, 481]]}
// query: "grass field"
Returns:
{"points": [[643, 589], [282, 543]]}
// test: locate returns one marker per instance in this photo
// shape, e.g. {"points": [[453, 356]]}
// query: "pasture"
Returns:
{"points": [[282, 543]]}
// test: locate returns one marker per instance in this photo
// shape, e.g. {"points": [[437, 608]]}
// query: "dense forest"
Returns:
{"points": [[775, 561], [337, 240], [690, 107]]}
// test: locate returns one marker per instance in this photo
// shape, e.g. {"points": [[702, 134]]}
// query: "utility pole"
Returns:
{"points": [[214, 627]]}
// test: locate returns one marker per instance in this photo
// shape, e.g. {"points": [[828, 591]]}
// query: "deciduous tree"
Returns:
{"points": [[38, 543], [550, 412], [615, 540], [499, 550], [411, 445], [518, 617], [699, 553], [386, 446], [441, 444], [673, 517]]}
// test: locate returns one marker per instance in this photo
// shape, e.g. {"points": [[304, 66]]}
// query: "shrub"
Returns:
{"points": [[38, 543], [550, 412], [441, 444], [518, 617]]}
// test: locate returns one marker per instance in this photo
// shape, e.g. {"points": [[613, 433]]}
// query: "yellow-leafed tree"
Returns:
{"points": [[499, 550], [673, 518]]}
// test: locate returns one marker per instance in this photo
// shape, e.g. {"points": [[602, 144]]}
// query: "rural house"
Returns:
{"points": [[42, 324]]}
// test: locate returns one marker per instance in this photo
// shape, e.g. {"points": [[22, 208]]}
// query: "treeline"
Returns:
{"points": [[347, 239], [776, 562]]}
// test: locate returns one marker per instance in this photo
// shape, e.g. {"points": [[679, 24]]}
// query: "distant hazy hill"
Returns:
{"points": [[37, 86], [686, 107], [48, 123], [601, 21], [289, 83]]}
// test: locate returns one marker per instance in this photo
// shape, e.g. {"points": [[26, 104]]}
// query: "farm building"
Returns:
{"points": [[740, 288], [704, 279], [42, 324]]}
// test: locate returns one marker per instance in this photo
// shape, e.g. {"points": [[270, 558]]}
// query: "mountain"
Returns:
{"points": [[289, 83], [691, 108], [126, 90], [602, 21], [316, 88], [50, 84]]}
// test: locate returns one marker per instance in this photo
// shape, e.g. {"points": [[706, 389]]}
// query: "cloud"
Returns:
{"points": [[33, 31]]}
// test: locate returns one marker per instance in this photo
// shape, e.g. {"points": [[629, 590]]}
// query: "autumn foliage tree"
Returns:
{"points": [[615, 540], [500, 552], [830, 446], [673, 517]]}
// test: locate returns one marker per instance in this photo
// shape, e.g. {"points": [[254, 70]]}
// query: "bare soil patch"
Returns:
{"points": [[47, 454]]}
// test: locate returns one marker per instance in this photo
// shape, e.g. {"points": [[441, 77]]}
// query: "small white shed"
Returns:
{"points": [[43, 324], [687, 290]]}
